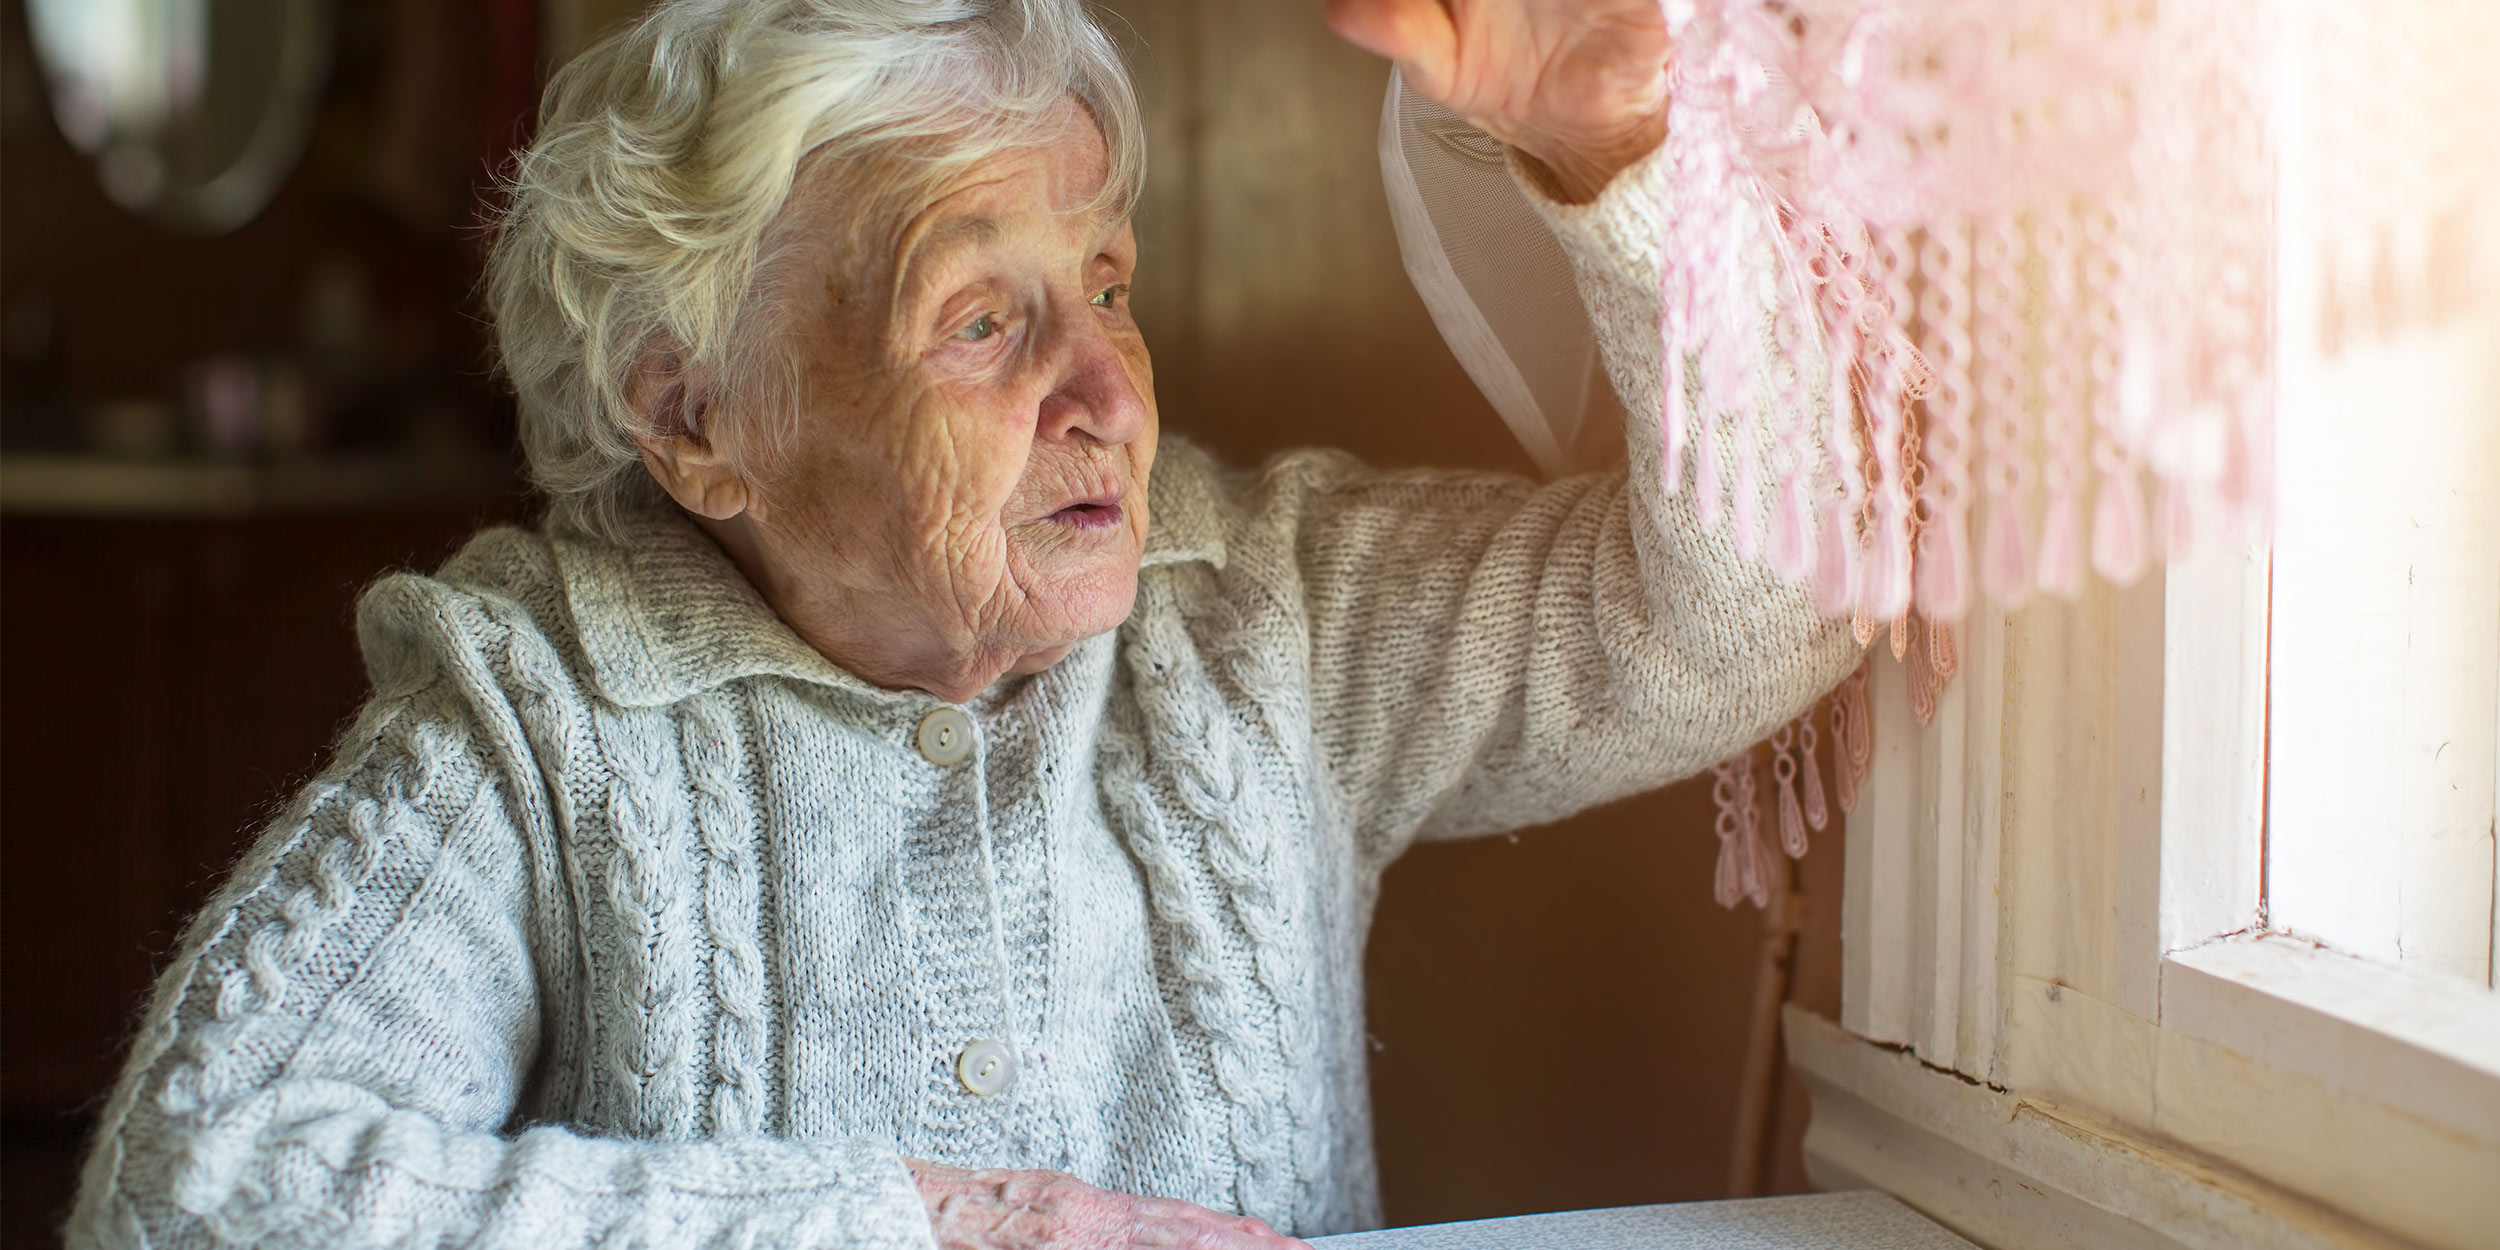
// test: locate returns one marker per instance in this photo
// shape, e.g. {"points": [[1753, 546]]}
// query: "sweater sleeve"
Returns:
{"points": [[1489, 653], [335, 1056]]}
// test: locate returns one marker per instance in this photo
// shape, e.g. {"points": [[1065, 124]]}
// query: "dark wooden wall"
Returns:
{"points": [[167, 681]]}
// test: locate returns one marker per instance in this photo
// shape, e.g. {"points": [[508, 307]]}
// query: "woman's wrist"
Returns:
{"points": [[1578, 172]]}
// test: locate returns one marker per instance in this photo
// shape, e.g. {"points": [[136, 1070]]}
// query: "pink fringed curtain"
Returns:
{"points": [[2052, 247], [2032, 240]]}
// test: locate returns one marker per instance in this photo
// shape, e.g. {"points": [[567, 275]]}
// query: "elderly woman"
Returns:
{"points": [[892, 795]]}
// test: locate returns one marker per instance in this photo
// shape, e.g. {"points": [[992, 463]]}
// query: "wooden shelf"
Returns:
{"points": [[72, 485]]}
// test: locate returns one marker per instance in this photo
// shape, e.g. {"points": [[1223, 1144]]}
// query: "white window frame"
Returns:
{"points": [[2386, 592], [2063, 1022]]}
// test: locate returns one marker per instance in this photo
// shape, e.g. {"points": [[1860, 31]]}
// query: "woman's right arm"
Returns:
{"points": [[335, 1056]]}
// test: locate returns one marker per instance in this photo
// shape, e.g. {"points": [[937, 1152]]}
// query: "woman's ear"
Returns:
{"points": [[679, 451]]}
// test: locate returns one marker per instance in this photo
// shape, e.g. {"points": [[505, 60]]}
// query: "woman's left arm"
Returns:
{"points": [[1487, 653]]}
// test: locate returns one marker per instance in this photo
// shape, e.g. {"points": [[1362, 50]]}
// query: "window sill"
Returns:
{"points": [[2015, 1173], [2412, 1041]]}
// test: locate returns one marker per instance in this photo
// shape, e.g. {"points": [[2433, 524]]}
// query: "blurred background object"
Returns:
{"points": [[210, 441], [240, 374], [192, 111]]}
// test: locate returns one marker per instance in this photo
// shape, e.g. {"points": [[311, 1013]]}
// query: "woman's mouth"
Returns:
{"points": [[1089, 515]]}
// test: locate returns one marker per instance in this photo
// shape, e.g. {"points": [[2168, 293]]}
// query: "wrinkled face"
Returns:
{"points": [[965, 493]]}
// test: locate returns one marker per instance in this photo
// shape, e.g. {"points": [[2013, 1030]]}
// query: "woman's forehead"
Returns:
{"points": [[871, 221], [1059, 175], [1048, 197]]}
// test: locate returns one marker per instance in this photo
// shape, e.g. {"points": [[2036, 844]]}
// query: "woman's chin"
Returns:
{"points": [[1081, 599]]}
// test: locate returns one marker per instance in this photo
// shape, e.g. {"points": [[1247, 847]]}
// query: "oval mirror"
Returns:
{"points": [[193, 111]]}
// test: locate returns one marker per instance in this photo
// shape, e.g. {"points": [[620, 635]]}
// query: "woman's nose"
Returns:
{"points": [[1095, 396]]}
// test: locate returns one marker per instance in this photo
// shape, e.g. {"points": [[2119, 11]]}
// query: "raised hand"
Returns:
{"points": [[1039, 1210], [1580, 85]]}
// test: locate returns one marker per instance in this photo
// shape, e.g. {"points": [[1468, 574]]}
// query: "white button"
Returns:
{"points": [[946, 736], [986, 1067]]}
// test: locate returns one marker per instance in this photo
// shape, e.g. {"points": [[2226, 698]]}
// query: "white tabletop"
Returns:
{"points": [[1854, 1221]]}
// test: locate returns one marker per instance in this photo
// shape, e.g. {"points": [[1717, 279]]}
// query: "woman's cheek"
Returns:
{"points": [[952, 482]]}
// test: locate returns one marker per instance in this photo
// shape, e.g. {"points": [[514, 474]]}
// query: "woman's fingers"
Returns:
{"points": [[1580, 85], [1202, 1234], [1169, 1222], [1419, 35], [1175, 1208], [1008, 1209], [1401, 30]]}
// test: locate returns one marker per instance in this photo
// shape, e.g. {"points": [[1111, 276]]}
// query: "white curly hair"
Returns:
{"points": [[639, 226]]}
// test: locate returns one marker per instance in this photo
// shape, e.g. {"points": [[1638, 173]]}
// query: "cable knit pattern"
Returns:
{"points": [[715, 755], [1186, 792], [652, 951], [623, 918]]}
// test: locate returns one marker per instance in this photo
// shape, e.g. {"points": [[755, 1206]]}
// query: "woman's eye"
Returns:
{"points": [[1109, 297], [979, 330]]}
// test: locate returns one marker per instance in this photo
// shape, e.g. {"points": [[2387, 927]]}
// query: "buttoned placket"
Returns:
{"points": [[949, 738]]}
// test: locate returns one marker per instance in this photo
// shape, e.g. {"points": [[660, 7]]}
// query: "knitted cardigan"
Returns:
{"points": [[621, 917]]}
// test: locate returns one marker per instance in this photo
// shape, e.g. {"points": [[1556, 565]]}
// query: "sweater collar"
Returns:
{"points": [[664, 614]]}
